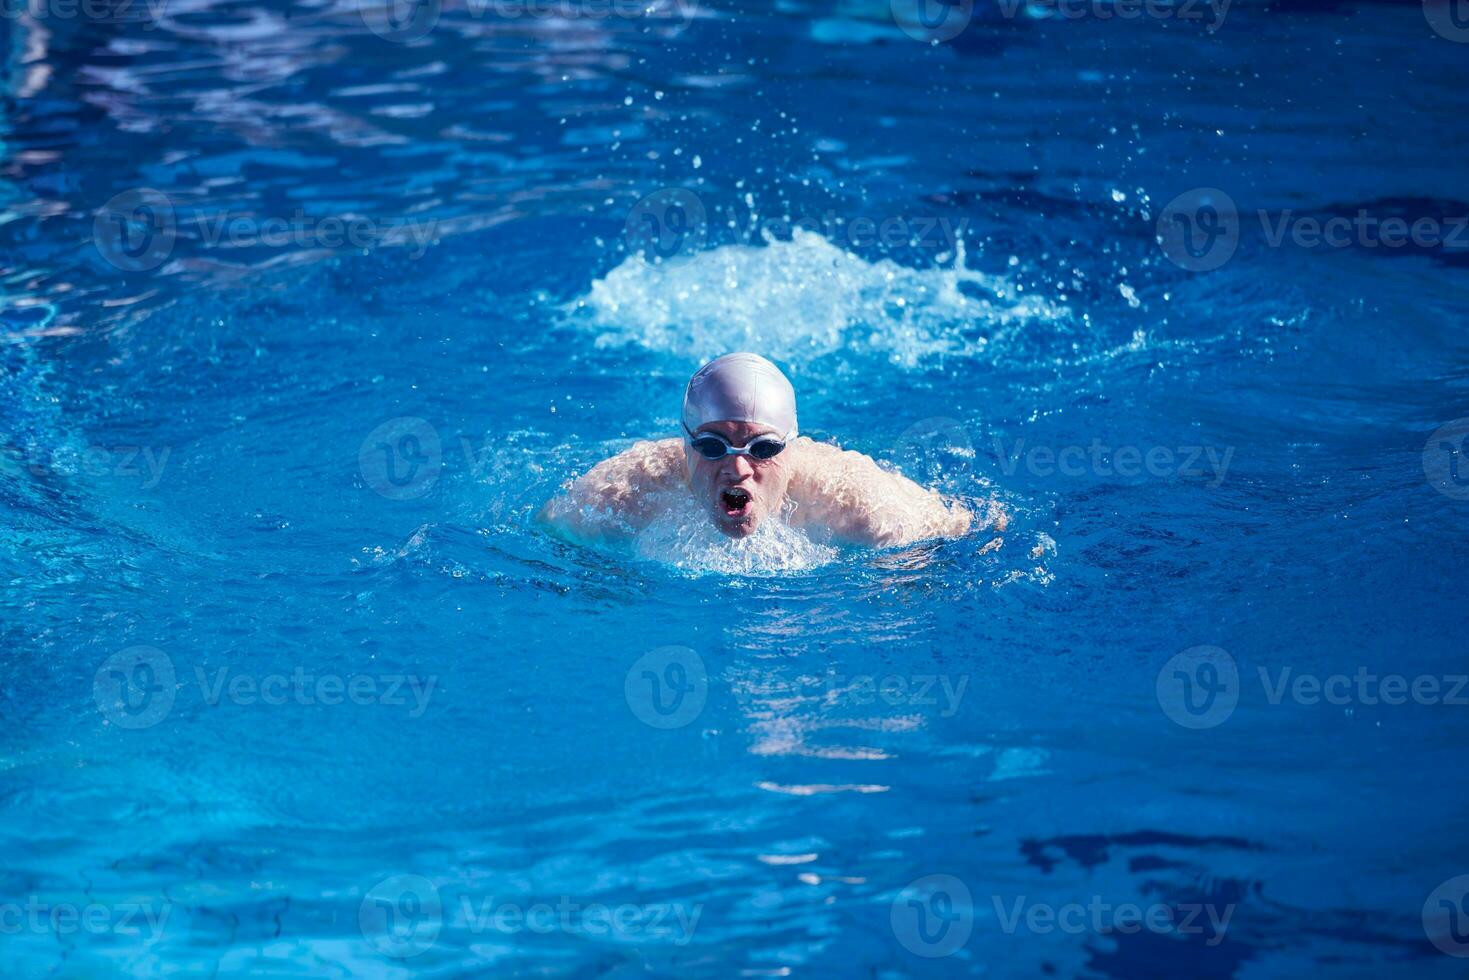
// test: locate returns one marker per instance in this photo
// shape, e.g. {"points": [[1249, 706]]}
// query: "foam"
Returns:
{"points": [[797, 299], [683, 536]]}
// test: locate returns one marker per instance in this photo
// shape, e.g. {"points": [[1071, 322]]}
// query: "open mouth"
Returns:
{"points": [[735, 501]]}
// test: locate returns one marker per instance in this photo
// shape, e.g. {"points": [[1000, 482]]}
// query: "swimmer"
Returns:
{"points": [[742, 460]]}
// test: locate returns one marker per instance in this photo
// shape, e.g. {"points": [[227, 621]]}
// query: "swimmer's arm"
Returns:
{"points": [[618, 497], [864, 504]]}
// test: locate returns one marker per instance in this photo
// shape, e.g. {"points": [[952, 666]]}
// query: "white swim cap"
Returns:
{"points": [[740, 388]]}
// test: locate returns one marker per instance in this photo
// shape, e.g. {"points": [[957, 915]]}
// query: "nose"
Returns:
{"points": [[738, 467]]}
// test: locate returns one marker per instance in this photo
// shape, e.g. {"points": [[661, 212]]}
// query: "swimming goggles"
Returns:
{"points": [[712, 445]]}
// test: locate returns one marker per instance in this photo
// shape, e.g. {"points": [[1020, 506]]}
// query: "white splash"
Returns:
{"points": [[797, 299], [683, 536]]}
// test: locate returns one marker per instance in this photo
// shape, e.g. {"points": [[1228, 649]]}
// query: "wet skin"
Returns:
{"points": [[738, 491]]}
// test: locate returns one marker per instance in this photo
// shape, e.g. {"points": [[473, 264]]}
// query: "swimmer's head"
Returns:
{"points": [[740, 388], [741, 410]]}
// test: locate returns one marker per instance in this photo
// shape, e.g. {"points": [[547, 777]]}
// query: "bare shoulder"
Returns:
{"points": [[617, 496], [826, 468], [819, 462], [860, 501], [641, 468]]}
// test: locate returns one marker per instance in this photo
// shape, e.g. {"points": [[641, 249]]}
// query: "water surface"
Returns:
{"points": [[767, 761]]}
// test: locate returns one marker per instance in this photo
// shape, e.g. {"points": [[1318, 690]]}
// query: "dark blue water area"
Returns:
{"points": [[303, 323]]}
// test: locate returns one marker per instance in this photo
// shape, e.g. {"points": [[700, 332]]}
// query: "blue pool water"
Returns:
{"points": [[294, 685]]}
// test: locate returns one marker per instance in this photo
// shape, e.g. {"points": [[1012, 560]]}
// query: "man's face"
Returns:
{"points": [[739, 491]]}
